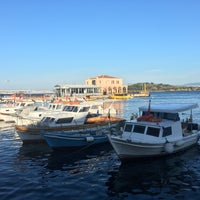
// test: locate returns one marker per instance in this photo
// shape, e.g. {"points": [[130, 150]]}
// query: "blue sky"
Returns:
{"points": [[49, 42]]}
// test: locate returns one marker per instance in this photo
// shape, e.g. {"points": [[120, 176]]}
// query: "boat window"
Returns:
{"points": [[128, 127], [94, 107], [167, 131], [64, 120], [84, 109], [58, 107], [153, 131], [68, 108], [139, 129], [46, 119], [75, 109], [169, 116], [43, 119]]}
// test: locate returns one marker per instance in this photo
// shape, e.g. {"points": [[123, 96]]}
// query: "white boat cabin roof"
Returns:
{"points": [[169, 108]]}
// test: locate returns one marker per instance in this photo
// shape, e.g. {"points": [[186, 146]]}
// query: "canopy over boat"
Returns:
{"points": [[169, 108]]}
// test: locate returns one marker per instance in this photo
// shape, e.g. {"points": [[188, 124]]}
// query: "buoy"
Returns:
{"points": [[169, 147]]}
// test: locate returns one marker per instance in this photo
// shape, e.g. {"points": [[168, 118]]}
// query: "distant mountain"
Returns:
{"points": [[193, 84]]}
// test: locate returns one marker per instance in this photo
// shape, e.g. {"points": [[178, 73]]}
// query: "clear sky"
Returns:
{"points": [[49, 42]]}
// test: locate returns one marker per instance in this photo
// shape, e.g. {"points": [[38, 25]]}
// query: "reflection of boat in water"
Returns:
{"points": [[62, 159], [71, 160], [34, 150], [158, 179]]}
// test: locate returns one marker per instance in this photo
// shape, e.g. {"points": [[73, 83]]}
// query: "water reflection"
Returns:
{"points": [[162, 178], [72, 159], [67, 159]]}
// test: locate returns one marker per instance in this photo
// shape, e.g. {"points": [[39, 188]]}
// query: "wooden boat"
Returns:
{"points": [[158, 131], [79, 137]]}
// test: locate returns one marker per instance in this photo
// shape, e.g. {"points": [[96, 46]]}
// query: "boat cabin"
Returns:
{"points": [[159, 124], [70, 115]]}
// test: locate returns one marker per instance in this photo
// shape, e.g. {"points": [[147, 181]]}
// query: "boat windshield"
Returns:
{"points": [[68, 108], [161, 115], [84, 109]]}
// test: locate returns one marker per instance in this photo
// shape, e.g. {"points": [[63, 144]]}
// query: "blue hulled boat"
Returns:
{"points": [[76, 138]]}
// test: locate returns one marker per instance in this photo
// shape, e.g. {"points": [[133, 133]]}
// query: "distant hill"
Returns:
{"points": [[161, 87], [193, 84]]}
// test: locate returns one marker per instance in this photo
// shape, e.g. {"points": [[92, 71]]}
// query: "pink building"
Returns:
{"points": [[108, 84]]}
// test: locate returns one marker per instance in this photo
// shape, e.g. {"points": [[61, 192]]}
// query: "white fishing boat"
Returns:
{"points": [[9, 111], [72, 117], [40, 112], [160, 130]]}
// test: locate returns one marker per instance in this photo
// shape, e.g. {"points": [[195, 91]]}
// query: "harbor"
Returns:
{"points": [[100, 100], [36, 170]]}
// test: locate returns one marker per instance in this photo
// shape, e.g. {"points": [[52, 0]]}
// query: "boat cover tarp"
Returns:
{"points": [[169, 108]]}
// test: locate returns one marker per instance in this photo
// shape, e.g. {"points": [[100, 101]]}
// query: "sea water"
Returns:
{"points": [[36, 172]]}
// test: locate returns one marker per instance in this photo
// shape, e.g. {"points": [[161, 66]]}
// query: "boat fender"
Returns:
{"points": [[89, 139], [169, 147], [198, 142], [179, 143]]}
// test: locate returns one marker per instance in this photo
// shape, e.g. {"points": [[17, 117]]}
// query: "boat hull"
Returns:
{"points": [[129, 150], [32, 134], [73, 139]]}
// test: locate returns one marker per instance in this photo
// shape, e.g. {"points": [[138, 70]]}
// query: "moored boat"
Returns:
{"points": [[81, 137], [158, 131], [120, 96], [10, 111], [72, 118]]}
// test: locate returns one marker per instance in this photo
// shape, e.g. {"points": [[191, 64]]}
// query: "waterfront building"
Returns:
{"points": [[108, 84], [77, 90]]}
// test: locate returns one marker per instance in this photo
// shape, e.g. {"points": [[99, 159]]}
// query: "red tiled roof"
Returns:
{"points": [[105, 76]]}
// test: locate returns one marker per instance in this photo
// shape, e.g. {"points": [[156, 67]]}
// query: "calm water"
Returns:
{"points": [[37, 172]]}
